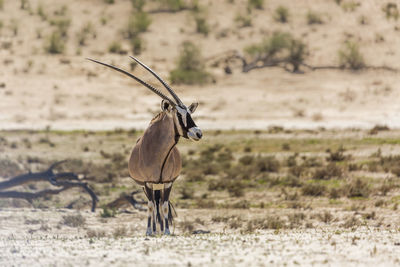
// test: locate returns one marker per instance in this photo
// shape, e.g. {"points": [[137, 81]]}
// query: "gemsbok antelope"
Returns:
{"points": [[155, 162]]}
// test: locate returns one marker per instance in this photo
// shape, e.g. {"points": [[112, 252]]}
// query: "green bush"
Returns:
{"points": [[258, 4], [243, 20], [138, 4], [190, 66], [201, 25], [351, 57], [138, 23], [62, 25], [282, 14], [110, 2], [137, 45], [172, 5], [297, 52], [115, 47], [270, 47], [391, 11], [55, 44], [314, 18]]}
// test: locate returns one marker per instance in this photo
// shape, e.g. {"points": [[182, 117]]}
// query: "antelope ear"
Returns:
{"points": [[193, 106], [165, 105]]}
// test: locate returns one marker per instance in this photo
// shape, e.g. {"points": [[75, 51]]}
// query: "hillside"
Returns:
{"points": [[65, 91]]}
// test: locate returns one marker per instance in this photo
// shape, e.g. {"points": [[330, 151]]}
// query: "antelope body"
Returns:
{"points": [[155, 161]]}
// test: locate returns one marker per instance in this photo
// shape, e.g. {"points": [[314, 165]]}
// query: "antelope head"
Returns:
{"points": [[182, 115]]}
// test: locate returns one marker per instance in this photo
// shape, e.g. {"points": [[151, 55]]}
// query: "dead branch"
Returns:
{"points": [[264, 62], [125, 199], [65, 180]]}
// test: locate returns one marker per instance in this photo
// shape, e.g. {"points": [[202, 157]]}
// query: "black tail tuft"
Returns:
{"points": [[171, 213]]}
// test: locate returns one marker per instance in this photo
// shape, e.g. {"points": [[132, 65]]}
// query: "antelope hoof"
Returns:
{"points": [[167, 232], [149, 232]]}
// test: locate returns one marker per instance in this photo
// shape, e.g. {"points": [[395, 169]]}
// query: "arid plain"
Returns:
{"points": [[295, 167]]}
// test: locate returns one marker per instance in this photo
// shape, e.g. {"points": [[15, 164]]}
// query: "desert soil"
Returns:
{"points": [[38, 237]]}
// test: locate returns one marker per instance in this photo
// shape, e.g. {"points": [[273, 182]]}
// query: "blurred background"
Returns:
{"points": [[251, 64]]}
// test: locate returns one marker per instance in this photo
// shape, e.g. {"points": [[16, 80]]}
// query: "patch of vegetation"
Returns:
{"points": [[280, 47], [190, 67], [202, 25], [55, 44], [313, 189], [258, 4], [351, 57], [74, 220], [138, 22], [9, 168], [116, 48], [108, 213], [350, 6], [330, 171], [243, 20], [314, 18], [281, 14], [391, 11]]}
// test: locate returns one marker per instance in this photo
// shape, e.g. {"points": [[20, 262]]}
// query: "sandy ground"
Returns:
{"points": [[24, 242]]}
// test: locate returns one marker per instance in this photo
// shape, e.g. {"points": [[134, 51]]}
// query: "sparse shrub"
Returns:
{"points": [[350, 6], [391, 11], [351, 222], [246, 160], [173, 5], [206, 204], [55, 44], [110, 2], [282, 14], [187, 192], [62, 25], [190, 67], [243, 20], [107, 212], [87, 29], [329, 172], [41, 13], [258, 4], [9, 168], [337, 155], [187, 226], [267, 164], [1, 4], [137, 44], [138, 22], [138, 4], [120, 231], [201, 25], [115, 47], [90, 233], [357, 188], [313, 189], [325, 217], [297, 52], [351, 57], [314, 18], [74, 220], [363, 20], [270, 47]]}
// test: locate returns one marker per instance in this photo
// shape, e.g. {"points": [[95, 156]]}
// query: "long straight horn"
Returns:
{"points": [[178, 101], [156, 91]]}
